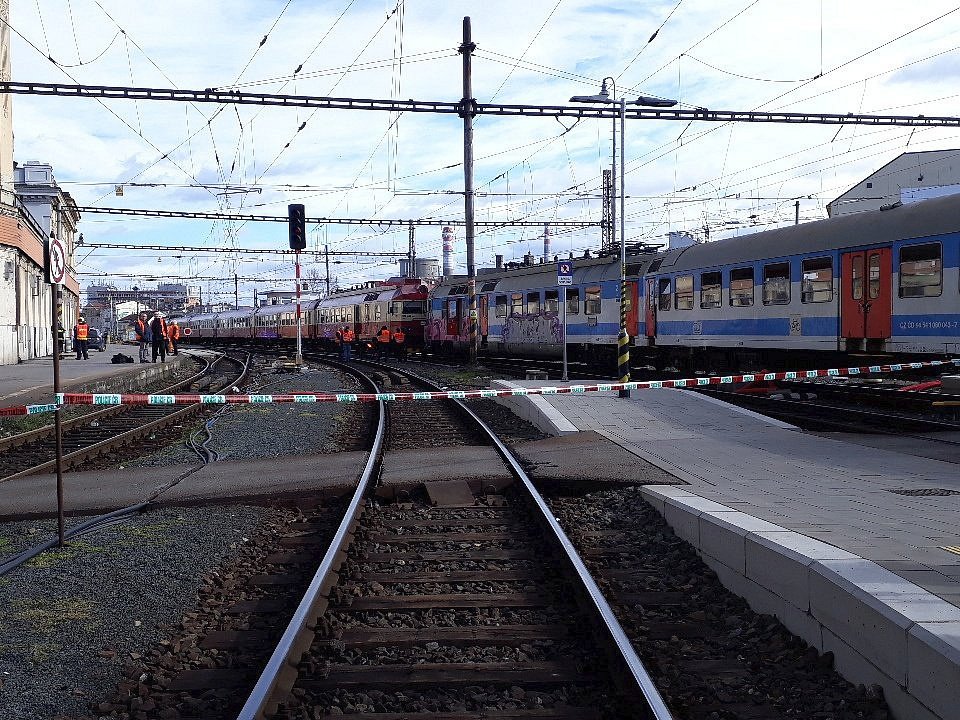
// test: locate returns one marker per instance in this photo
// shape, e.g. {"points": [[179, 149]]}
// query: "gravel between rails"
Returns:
{"points": [[246, 432], [72, 619]]}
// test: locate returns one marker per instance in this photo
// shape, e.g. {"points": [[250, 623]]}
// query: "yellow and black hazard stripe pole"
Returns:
{"points": [[623, 339]]}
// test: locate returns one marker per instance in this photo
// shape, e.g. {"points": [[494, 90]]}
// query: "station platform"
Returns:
{"points": [[855, 549], [31, 382]]}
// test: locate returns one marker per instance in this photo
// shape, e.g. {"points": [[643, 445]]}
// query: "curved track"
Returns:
{"points": [[97, 433]]}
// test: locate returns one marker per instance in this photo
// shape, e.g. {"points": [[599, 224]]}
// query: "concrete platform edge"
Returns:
{"points": [[881, 628], [534, 409]]}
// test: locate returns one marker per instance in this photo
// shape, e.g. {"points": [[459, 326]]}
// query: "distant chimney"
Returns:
{"points": [[546, 243], [499, 262], [447, 250]]}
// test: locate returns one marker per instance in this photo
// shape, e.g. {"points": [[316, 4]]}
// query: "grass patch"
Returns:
{"points": [[47, 616], [54, 556], [154, 532]]}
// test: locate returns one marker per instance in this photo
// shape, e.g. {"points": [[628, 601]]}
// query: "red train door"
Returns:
{"points": [[650, 307], [484, 320], [866, 303], [453, 316], [632, 310]]}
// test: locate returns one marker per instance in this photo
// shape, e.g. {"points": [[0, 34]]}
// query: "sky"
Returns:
{"points": [[830, 56]]}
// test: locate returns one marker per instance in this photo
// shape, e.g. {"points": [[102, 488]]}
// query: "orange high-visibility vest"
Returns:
{"points": [[173, 331], [348, 335], [383, 336], [82, 331], [399, 337], [141, 329]]}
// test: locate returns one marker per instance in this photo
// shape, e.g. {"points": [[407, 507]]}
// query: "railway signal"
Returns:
{"points": [[297, 226]]}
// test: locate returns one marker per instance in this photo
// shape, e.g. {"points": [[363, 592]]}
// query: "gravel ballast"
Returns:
{"points": [[72, 618]]}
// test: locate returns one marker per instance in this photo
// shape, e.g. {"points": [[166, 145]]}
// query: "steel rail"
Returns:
{"points": [[277, 677], [91, 451], [12, 441], [463, 108]]}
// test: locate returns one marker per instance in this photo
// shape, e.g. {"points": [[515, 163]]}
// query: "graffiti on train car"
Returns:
{"points": [[533, 329]]}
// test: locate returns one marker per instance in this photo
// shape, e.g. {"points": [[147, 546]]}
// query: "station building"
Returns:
{"points": [[911, 177]]}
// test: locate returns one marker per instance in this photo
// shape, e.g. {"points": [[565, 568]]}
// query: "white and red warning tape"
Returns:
{"points": [[315, 397]]}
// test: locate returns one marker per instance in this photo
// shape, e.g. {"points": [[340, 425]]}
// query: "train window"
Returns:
{"points": [[776, 284], [376, 311], [516, 304], [655, 265], [711, 290], [921, 271], [501, 306], [683, 299], [489, 286], [873, 270], [533, 303], [816, 284], [741, 287], [451, 308], [591, 300], [663, 294], [551, 301], [413, 307], [573, 301]]}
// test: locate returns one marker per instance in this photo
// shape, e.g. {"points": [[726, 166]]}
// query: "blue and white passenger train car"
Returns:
{"points": [[876, 282]]}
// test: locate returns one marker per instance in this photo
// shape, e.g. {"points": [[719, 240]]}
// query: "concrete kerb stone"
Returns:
{"points": [[657, 495], [779, 560], [535, 409], [933, 659], [723, 536], [842, 598]]}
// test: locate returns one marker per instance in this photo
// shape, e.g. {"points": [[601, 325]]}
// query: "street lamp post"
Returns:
{"points": [[623, 340]]}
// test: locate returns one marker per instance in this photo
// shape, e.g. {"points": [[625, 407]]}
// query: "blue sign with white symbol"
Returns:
{"points": [[564, 272]]}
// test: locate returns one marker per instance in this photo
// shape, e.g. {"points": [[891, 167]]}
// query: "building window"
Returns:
{"points": [[573, 301], [921, 271], [591, 300], [776, 284], [663, 294], [501, 306], [533, 303], [516, 304], [741, 287], [684, 294], [816, 284], [551, 301], [711, 289]]}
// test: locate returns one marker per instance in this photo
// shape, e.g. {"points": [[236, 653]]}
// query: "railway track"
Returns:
{"points": [[99, 432], [443, 607]]}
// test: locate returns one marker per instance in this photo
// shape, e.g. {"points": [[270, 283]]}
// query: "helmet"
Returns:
{"points": [[81, 319]]}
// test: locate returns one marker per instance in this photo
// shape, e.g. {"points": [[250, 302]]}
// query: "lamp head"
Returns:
{"points": [[602, 97], [653, 102]]}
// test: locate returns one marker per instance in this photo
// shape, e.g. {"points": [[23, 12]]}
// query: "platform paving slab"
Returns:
{"points": [[831, 503], [31, 382]]}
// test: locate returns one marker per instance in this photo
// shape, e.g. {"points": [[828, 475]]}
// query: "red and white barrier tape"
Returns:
{"points": [[313, 397]]}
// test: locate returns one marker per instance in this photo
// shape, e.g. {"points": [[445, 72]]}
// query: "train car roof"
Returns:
{"points": [[279, 309], [915, 220], [226, 314]]}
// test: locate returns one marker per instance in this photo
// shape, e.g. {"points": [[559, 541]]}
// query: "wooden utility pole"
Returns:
{"points": [[467, 112]]}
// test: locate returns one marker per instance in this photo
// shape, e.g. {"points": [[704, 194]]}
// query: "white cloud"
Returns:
{"points": [[199, 45]]}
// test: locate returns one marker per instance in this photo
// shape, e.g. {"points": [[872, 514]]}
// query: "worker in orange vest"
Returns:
{"points": [[141, 331], [81, 335], [173, 335], [399, 344], [347, 347], [383, 342]]}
